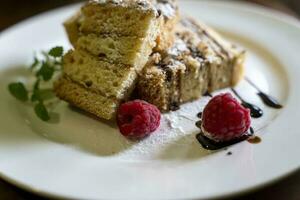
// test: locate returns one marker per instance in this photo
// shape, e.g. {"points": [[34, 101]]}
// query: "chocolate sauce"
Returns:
{"points": [[251, 131], [254, 140], [195, 53], [267, 99], [203, 32], [199, 115], [216, 42], [169, 74], [256, 112], [207, 94], [213, 145], [179, 80], [174, 106], [198, 124]]}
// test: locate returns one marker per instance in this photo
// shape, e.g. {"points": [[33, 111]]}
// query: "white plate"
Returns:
{"points": [[81, 157]]}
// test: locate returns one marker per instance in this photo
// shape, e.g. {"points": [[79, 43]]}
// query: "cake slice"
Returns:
{"points": [[117, 21], [118, 31], [93, 84], [113, 40], [127, 17], [127, 50], [200, 61], [72, 27], [170, 12], [120, 17]]}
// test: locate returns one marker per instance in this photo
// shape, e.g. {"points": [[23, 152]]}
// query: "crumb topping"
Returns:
{"points": [[167, 8], [140, 4]]}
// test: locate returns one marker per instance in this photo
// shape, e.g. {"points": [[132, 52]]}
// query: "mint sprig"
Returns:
{"points": [[44, 70], [34, 64], [56, 52], [18, 90], [41, 111]]}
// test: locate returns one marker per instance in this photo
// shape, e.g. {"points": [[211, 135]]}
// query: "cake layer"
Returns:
{"points": [[84, 99], [127, 50], [113, 40], [199, 62], [170, 12], [226, 60], [119, 18], [94, 85], [106, 79], [160, 82], [126, 18], [72, 27]]}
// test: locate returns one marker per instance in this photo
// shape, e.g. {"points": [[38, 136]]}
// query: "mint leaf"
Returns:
{"points": [[36, 87], [35, 63], [56, 52], [41, 111], [18, 90], [46, 72], [43, 68]]}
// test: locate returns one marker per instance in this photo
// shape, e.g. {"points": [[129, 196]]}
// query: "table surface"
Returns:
{"points": [[288, 188]]}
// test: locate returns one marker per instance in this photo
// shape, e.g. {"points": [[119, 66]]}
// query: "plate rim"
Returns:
{"points": [[246, 6]]}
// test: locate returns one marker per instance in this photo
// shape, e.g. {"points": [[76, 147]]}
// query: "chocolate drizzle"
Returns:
{"points": [[174, 106], [254, 140], [251, 130], [267, 99], [195, 53], [213, 145], [216, 42], [209, 144], [207, 94], [199, 115], [203, 32], [256, 112], [199, 123]]}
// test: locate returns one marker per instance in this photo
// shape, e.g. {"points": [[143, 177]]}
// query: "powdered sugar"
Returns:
{"points": [[175, 138], [177, 129]]}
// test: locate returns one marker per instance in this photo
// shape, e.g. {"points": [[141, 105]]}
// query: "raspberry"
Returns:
{"points": [[137, 119], [225, 119]]}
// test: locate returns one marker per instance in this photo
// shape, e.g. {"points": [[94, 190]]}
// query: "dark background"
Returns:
{"points": [[12, 11]]}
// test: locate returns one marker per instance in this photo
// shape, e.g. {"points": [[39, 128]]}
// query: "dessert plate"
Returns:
{"points": [[80, 157]]}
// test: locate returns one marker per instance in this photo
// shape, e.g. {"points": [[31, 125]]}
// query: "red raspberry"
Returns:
{"points": [[225, 119], [137, 119]]}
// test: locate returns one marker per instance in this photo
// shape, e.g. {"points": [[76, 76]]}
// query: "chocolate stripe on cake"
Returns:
{"points": [[198, 62], [202, 32]]}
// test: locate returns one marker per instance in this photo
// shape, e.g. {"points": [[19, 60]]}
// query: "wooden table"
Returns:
{"points": [[289, 188]]}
